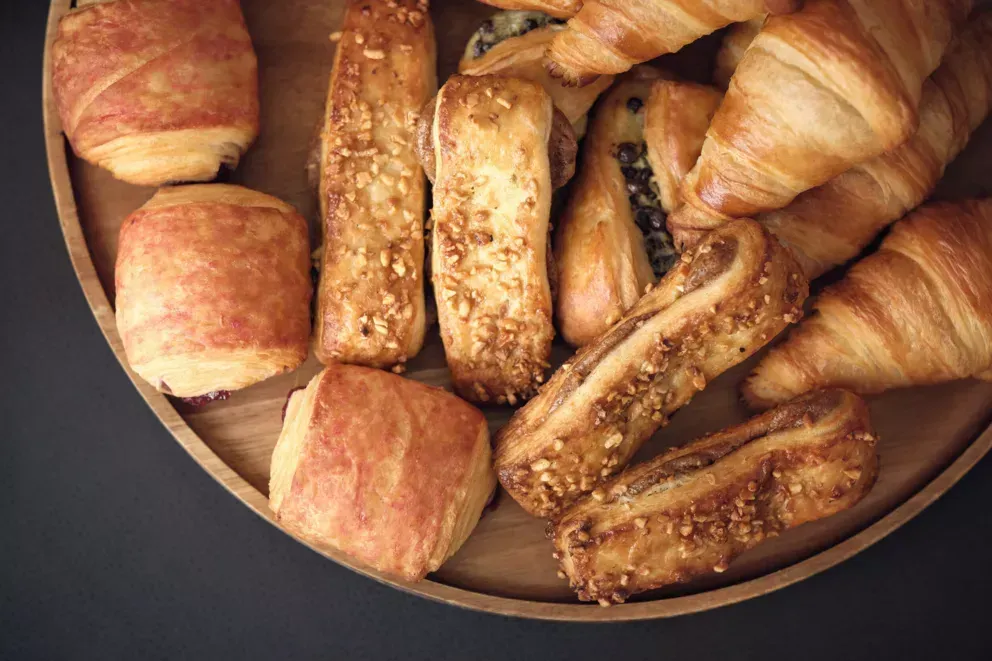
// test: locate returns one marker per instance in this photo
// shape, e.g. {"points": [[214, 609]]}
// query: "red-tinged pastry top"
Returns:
{"points": [[388, 470]]}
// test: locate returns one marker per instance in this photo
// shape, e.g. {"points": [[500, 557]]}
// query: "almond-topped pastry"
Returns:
{"points": [[693, 509], [372, 193], [157, 91], [496, 148], [717, 306], [213, 289], [389, 471]]}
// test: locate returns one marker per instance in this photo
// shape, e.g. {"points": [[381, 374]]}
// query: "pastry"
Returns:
{"points": [[693, 509], [918, 311], [213, 289], [720, 303], [732, 48], [387, 470], [817, 92], [611, 36], [372, 193], [512, 43], [556, 8], [495, 149], [157, 91]]}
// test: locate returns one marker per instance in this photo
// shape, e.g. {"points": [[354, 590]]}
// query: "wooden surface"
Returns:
{"points": [[929, 436]]}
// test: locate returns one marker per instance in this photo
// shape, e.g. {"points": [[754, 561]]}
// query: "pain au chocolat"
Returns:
{"points": [[717, 306]]}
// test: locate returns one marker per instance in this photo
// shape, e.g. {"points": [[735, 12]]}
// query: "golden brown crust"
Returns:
{"points": [[556, 8], [156, 91], [831, 224], [720, 304], [213, 289], [603, 267], [693, 509], [732, 48], [392, 472], [523, 57], [370, 299], [848, 79], [492, 200], [918, 311]]}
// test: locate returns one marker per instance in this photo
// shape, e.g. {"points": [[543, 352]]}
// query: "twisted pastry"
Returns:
{"points": [[919, 311], [817, 92], [718, 305]]}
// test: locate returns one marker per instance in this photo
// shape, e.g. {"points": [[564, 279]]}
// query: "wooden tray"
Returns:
{"points": [[930, 437]]}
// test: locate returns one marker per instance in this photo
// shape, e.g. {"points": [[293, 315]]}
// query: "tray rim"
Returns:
{"points": [[227, 477]]}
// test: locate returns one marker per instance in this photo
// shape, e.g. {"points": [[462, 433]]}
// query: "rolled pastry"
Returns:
{"points": [[495, 151], [390, 471], [512, 43], [556, 8], [370, 297], [213, 289], [717, 306], [157, 91], [693, 509]]}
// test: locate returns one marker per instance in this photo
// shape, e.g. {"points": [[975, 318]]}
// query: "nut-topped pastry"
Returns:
{"points": [[370, 296], [717, 306], [495, 148]]}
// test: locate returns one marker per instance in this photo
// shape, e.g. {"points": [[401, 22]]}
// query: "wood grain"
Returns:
{"points": [[930, 437]]}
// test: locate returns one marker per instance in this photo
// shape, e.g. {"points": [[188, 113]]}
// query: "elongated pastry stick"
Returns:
{"points": [[919, 311], [693, 509], [817, 92], [370, 298], [720, 304]]}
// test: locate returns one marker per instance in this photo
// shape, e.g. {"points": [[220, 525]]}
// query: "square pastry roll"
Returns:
{"points": [[213, 289], [390, 471]]}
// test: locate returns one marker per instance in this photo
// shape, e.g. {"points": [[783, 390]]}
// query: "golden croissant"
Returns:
{"points": [[919, 311], [817, 92]]}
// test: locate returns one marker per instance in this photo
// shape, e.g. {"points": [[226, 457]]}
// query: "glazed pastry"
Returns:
{"points": [[735, 42], [512, 43], [556, 8], [611, 36], [816, 93], [213, 289], [919, 311], [722, 302], [612, 242], [389, 471], [157, 91], [693, 509], [832, 224], [370, 297], [495, 151]]}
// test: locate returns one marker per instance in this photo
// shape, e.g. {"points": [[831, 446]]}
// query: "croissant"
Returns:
{"points": [[512, 43], [157, 91], [817, 92], [831, 224], [919, 311], [732, 49], [556, 8], [693, 509], [611, 36], [718, 305]]}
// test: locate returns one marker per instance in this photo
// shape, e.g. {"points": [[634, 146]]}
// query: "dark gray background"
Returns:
{"points": [[115, 545]]}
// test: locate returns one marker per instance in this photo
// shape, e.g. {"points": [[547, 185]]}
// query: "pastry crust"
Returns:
{"points": [[370, 297], [213, 289], [523, 57], [390, 471], [157, 91], [492, 200], [917, 312], [693, 509], [718, 305], [732, 49], [556, 8]]}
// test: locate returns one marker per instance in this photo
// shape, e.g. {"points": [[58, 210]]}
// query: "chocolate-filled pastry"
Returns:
{"points": [[495, 149], [512, 43], [556, 8], [390, 471], [720, 303], [370, 297], [157, 91], [213, 289], [693, 509]]}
